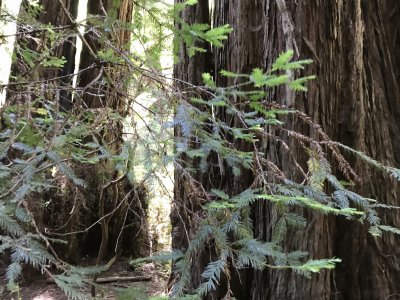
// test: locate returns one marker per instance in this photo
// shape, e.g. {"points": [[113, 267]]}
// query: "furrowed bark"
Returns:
{"points": [[355, 98], [187, 200]]}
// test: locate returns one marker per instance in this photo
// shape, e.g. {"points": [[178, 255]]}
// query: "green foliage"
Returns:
{"points": [[32, 172], [212, 275], [195, 36], [227, 225], [40, 146], [216, 35], [315, 266], [70, 285]]}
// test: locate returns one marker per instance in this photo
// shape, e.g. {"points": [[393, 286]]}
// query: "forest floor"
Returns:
{"points": [[37, 288]]}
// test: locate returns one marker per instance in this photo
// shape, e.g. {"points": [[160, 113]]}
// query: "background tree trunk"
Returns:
{"points": [[84, 205], [120, 10], [105, 86], [50, 89], [53, 14], [356, 99]]}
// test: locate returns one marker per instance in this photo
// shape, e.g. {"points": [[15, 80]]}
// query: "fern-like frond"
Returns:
{"points": [[212, 275], [71, 286], [247, 259], [315, 266], [9, 225]]}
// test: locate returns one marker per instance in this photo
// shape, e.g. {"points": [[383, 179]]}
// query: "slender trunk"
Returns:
{"points": [[106, 87], [186, 205]]}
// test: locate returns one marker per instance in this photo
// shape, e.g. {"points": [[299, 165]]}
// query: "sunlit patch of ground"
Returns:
{"points": [[44, 296]]}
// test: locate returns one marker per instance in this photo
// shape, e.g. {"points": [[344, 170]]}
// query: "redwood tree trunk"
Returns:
{"points": [[54, 14], [105, 86], [98, 91], [356, 99], [91, 79]]}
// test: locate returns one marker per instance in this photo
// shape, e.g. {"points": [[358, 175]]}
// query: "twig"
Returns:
{"points": [[118, 278]]}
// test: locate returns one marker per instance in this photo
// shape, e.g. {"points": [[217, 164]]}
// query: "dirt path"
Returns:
{"points": [[38, 289]]}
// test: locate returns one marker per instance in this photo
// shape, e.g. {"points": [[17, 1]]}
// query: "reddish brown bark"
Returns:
{"points": [[187, 204], [83, 204], [98, 94], [356, 99], [54, 14]]}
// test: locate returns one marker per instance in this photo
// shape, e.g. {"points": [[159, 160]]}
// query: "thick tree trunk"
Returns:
{"points": [[54, 14], [243, 52], [235, 57], [97, 93], [356, 99], [31, 82], [187, 70]]}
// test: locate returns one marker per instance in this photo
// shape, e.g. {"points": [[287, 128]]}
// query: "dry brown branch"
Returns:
{"points": [[119, 278]]}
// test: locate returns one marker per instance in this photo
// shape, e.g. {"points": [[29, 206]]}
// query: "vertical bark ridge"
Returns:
{"points": [[243, 51], [356, 100], [187, 203], [52, 14], [94, 76]]}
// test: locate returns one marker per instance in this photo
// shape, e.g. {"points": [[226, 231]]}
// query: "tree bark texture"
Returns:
{"points": [[186, 207], [105, 86], [98, 94], [356, 100], [55, 15], [84, 205]]}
